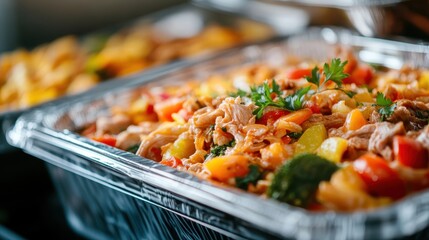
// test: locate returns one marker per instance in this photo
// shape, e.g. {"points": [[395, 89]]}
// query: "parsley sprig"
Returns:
{"points": [[333, 72], [263, 97], [387, 107]]}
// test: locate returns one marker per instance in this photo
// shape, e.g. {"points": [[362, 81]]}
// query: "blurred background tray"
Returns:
{"points": [[188, 20]]}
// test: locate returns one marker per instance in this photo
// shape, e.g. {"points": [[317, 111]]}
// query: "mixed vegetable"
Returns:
{"points": [[322, 136]]}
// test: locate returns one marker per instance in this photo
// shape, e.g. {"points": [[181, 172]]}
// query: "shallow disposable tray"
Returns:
{"points": [[192, 19], [109, 193]]}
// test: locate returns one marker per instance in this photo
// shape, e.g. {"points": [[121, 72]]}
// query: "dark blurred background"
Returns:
{"points": [[27, 23]]}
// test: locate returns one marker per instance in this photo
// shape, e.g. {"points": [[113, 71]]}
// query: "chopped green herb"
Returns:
{"points": [[315, 76], [382, 100], [261, 95], [387, 106], [295, 135], [295, 101], [133, 149], [350, 94], [252, 177], [223, 129], [239, 93], [335, 71], [220, 150]]}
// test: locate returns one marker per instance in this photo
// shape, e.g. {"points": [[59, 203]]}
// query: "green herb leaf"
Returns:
{"points": [[217, 151], [133, 149], [275, 88], [335, 71], [261, 95], [239, 93], [315, 76], [382, 100], [295, 101], [252, 177], [350, 94], [295, 135], [387, 106]]}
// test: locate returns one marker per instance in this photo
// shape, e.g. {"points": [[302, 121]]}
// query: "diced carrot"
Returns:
{"points": [[166, 108], [298, 117], [355, 120], [226, 167], [171, 162]]}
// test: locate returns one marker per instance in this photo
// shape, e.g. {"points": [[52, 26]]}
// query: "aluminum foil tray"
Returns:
{"points": [[109, 193], [185, 21]]}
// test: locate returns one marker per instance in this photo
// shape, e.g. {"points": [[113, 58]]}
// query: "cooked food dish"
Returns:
{"points": [[340, 135], [68, 66]]}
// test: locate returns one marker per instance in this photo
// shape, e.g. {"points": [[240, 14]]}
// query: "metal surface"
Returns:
{"points": [[115, 194]]}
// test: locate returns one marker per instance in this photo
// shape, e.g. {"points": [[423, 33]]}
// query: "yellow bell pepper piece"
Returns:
{"points": [[183, 147], [333, 149], [311, 139], [424, 80], [364, 97], [297, 117]]}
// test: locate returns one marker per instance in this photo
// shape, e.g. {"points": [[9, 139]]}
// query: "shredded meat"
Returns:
{"points": [[235, 117], [326, 99], [129, 138], [363, 132], [335, 120], [357, 140], [112, 125], [221, 137], [206, 116], [132, 135], [424, 137], [381, 140], [164, 134], [235, 112], [414, 114]]}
